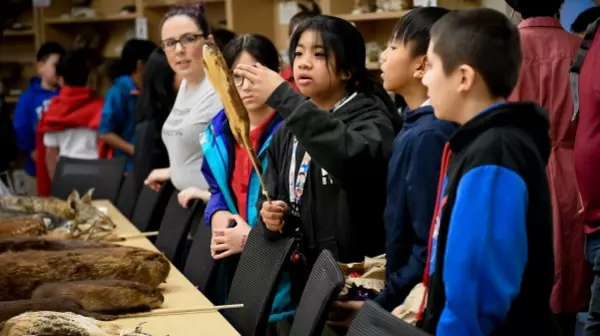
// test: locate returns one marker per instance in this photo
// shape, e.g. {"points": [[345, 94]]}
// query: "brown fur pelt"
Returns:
{"points": [[22, 226], [105, 296], [43, 244], [47, 323], [22, 272], [10, 309]]}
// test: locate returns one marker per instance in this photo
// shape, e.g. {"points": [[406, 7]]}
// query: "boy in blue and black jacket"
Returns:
{"points": [[33, 103], [490, 267], [415, 162]]}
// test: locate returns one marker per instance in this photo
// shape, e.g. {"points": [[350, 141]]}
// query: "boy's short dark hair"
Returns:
{"points": [[415, 26], [484, 39], [74, 68], [531, 8], [584, 19], [303, 14], [47, 49]]}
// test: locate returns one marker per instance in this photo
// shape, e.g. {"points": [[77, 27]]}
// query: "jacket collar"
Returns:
{"points": [[542, 21]]}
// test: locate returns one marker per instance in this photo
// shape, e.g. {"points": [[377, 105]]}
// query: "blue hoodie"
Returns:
{"points": [[118, 114], [27, 113], [413, 174], [217, 167]]}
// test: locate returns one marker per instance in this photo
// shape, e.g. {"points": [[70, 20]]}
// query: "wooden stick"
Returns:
{"points": [[179, 311], [139, 235]]}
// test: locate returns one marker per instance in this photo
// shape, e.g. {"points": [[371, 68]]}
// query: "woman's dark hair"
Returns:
{"points": [[194, 12], [260, 47], [157, 93], [342, 41], [134, 50]]}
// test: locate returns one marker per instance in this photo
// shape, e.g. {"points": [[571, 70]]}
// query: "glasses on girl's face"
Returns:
{"points": [[186, 40], [238, 80]]}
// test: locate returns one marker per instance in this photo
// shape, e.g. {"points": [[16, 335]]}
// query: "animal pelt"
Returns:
{"points": [[44, 244], [62, 324], [22, 272], [22, 226], [105, 296], [10, 309]]}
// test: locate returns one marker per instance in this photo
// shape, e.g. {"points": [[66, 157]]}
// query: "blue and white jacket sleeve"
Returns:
{"points": [[217, 200], [486, 251]]}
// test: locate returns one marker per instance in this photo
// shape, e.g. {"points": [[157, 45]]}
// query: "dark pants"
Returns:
{"points": [[592, 255]]}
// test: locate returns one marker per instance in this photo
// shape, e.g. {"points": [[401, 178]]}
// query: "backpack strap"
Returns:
{"points": [[590, 33]]}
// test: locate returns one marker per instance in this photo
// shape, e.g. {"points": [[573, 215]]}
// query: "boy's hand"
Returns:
{"points": [[230, 241], [272, 214]]}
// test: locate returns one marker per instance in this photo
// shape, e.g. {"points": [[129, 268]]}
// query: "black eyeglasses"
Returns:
{"points": [[238, 80], [185, 40]]}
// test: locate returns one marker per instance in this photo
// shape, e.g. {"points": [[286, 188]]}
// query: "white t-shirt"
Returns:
{"points": [[76, 143], [192, 111]]}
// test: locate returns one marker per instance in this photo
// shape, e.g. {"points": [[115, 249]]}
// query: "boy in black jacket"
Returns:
{"points": [[490, 267]]}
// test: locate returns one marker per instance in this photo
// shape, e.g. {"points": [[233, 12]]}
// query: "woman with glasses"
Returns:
{"points": [[183, 33]]}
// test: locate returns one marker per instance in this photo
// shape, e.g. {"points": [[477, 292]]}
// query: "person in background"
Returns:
{"points": [[490, 262], [159, 90], [584, 20], [587, 163], [327, 165], [222, 37], [31, 105], [117, 127], [303, 14], [234, 185], [183, 32], [69, 126], [414, 167], [544, 78], [571, 9]]}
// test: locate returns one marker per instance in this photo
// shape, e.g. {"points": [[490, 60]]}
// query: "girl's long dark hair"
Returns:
{"points": [[157, 92]]}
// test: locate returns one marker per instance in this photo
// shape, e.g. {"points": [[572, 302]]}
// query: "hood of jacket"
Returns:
{"points": [[73, 107], [527, 116]]}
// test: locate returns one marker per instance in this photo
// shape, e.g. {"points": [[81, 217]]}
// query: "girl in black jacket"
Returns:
{"points": [[327, 165]]}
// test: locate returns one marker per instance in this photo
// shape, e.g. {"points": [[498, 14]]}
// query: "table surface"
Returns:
{"points": [[178, 293]]}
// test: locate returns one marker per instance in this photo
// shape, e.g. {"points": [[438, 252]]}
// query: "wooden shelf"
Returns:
{"points": [[16, 33], [101, 19], [373, 16], [169, 3], [11, 99], [373, 66]]}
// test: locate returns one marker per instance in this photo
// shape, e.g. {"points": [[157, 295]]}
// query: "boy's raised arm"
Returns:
{"points": [[486, 251]]}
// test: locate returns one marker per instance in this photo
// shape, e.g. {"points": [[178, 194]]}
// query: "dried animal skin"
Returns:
{"points": [[105, 296], [22, 272], [50, 205], [219, 75], [22, 226], [43, 244], [10, 309], [57, 324]]}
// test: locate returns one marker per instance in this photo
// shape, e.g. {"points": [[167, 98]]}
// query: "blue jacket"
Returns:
{"points": [[411, 190], [218, 147], [26, 115], [118, 114]]}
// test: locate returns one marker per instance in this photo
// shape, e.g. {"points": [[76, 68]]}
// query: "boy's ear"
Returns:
{"points": [[421, 63], [467, 76]]}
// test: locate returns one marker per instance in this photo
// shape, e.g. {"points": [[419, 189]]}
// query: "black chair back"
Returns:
{"points": [[104, 175], [325, 282], [174, 229], [150, 207], [374, 320], [200, 268], [127, 197], [255, 281]]}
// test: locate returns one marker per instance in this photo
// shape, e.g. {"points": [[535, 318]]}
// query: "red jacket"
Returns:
{"points": [[73, 107], [544, 78], [288, 75]]}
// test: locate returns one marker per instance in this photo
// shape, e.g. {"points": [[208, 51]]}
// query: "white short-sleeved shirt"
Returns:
{"points": [[77, 143], [193, 110]]}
